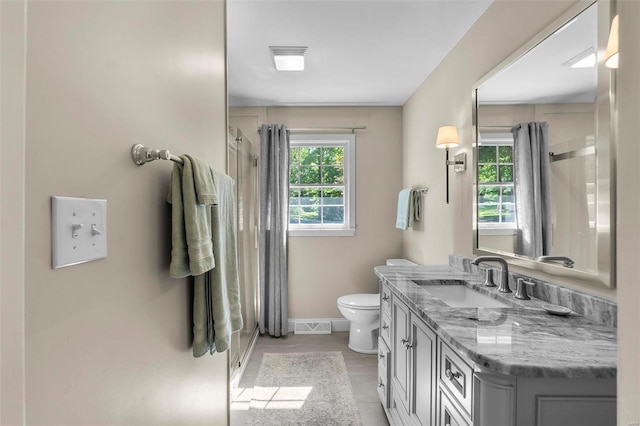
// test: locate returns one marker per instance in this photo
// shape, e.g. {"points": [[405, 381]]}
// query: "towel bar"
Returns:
{"points": [[140, 155]]}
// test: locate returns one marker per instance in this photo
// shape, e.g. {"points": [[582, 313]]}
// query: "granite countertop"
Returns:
{"points": [[520, 340]]}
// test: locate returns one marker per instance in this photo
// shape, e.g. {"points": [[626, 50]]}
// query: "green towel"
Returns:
{"points": [[203, 180], [179, 256], [192, 249], [216, 304]]}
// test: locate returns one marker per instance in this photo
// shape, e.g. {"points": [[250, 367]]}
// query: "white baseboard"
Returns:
{"points": [[337, 324]]}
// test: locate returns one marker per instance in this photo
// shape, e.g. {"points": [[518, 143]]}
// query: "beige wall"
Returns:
{"points": [[321, 269], [108, 342], [445, 98], [628, 204], [12, 220]]}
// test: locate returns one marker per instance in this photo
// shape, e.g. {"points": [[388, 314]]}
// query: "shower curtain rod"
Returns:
{"points": [[325, 130], [140, 155]]}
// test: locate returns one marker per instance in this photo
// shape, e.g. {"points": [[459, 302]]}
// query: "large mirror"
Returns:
{"points": [[544, 188]]}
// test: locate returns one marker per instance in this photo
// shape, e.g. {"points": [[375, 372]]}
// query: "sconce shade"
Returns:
{"points": [[611, 54], [447, 137]]}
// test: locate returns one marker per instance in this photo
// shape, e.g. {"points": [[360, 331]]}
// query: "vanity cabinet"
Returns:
{"points": [[412, 373], [423, 381]]}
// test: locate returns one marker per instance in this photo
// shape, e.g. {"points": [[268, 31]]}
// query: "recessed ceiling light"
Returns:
{"points": [[288, 58], [586, 59]]}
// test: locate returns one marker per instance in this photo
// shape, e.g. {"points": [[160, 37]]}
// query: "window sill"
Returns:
{"points": [[496, 231], [322, 232]]}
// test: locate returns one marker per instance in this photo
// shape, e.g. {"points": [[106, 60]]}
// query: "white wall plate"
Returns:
{"points": [[78, 230]]}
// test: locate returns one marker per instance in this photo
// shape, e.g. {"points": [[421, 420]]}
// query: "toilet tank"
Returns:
{"points": [[399, 262]]}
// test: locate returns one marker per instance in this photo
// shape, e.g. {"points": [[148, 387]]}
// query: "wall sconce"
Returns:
{"points": [[611, 54], [448, 138]]}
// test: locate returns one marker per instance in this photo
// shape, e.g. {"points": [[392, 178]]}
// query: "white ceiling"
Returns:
{"points": [[361, 52], [540, 77]]}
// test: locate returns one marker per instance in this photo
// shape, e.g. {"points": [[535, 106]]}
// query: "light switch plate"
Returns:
{"points": [[78, 230]]}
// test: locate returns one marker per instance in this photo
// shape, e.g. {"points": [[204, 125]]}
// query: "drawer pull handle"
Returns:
{"points": [[385, 326], [451, 375], [381, 356], [380, 384], [406, 343], [385, 297]]}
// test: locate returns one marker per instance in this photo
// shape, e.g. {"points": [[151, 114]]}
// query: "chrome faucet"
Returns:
{"points": [[504, 273], [567, 262]]}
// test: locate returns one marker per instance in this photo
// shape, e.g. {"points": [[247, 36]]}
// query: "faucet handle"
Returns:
{"points": [[489, 278], [521, 289]]}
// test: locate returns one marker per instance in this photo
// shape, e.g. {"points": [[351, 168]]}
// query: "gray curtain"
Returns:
{"points": [[274, 217], [532, 188]]}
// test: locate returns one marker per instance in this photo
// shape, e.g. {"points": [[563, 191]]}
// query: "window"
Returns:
{"points": [[322, 185], [496, 197]]}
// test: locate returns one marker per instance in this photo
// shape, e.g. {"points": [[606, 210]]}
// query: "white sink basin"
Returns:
{"points": [[460, 296]]}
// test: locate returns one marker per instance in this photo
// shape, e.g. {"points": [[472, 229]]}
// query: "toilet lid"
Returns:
{"points": [[362, 301]]}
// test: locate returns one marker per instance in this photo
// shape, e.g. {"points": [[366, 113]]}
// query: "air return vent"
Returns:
{"points": [[312, 327]]}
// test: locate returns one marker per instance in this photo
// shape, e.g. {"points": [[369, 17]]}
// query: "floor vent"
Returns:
{"points": [[312, 327]]}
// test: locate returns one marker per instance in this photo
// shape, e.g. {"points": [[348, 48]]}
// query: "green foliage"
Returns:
{"points": [[505, 154], [294, 174], [506, 173], [507, 194], [309, 156], [309, 175], [316, 166], [487, 174], [332, 175], [487, 154], [488, 213], [333, 196], [488, 194], [333, 156]]}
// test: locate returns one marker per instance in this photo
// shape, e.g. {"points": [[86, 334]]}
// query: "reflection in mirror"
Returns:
{"points": [[539, 134]]}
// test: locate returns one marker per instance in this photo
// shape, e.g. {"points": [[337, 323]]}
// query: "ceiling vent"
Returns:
{"points": [[288, 58]]}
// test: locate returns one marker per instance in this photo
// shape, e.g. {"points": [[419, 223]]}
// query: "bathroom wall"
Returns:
{"points": [[445, 98], [321, 269], [628, 222], [439, 101], [108, 342], [12, 221]]}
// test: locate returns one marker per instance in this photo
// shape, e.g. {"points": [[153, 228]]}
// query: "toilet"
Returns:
{"points": [[363, 313]]}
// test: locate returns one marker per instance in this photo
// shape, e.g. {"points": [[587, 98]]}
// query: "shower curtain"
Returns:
{"points": [[274, 217], [532, 189]]}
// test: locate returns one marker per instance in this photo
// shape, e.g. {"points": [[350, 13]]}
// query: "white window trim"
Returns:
{"points": [[509, 228], [348, 141]]}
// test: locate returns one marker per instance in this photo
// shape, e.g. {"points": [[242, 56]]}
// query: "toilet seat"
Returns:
{"points": [[360, 301]]}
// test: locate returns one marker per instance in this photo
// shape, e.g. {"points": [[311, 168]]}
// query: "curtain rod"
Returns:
{"points": [[325, 130]]}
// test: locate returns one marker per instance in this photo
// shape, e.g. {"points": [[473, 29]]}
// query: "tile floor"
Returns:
{"points": [[362, 370]]}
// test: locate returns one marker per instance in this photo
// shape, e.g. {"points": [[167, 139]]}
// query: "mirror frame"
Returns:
{"points": [[606, 129]]}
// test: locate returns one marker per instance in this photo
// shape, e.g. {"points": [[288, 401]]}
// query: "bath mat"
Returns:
{"points": [[305, 388]]}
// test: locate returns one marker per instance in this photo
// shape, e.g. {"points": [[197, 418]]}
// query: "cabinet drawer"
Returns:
{"points": [[385, 326], [385, 298], [456, 376], [383, 388], [399, 414], [448, 414], [384, 357]]}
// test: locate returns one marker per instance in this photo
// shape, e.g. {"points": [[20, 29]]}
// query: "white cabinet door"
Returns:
{"points": [[400, 351], [423, 373]]}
